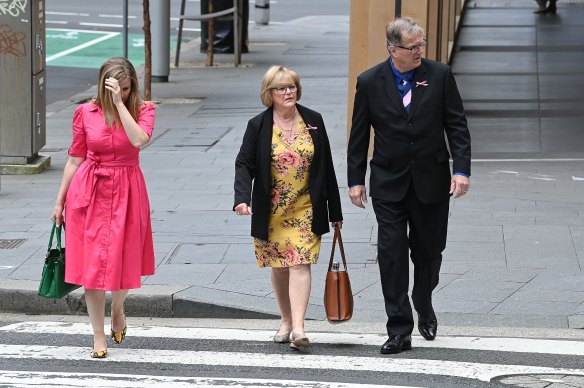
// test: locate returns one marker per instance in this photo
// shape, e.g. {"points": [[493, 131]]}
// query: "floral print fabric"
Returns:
{"points": [[290, 239]]}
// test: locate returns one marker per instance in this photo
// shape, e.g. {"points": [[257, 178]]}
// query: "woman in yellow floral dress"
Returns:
{"points": [[285, 179]]}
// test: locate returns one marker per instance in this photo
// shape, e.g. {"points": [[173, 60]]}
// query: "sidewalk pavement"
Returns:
{"points": [[515, 248]]}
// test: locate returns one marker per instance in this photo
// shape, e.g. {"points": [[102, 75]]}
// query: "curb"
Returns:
{"points": [[20, 296]]}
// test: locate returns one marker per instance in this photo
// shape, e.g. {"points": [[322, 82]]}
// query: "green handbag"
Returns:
{"points": [[53, 279]]}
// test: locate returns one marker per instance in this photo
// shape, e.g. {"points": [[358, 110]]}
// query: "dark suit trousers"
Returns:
{"points": [[426, 240]]}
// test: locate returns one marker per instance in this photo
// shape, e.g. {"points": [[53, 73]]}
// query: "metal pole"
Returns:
{"points": [[398, 4], [125, 29], [262, 12], [237, 29], [160, 40]]}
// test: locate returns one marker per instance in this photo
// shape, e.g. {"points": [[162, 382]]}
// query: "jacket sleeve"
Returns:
{"points": [[334, 199], [359, 138], [455, 126], [245, 165]]}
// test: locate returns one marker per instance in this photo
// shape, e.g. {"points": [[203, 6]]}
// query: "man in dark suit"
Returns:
{"points": [[411, 103]]}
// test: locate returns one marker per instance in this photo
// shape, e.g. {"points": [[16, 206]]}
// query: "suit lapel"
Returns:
{"points": [[388, 84], [418, 91], [266, 147]]}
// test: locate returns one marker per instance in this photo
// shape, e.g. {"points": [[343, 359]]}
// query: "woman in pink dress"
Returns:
{"points": [[103, 193]]}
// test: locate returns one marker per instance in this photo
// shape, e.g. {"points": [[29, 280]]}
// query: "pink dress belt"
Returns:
{"points": [[94, 170]]}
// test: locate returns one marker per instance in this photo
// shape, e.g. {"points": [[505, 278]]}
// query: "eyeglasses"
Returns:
{"points": [[286, 89], [416, 48]]}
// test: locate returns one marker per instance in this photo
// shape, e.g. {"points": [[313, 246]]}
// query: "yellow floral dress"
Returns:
{"points": [[290, 238]]}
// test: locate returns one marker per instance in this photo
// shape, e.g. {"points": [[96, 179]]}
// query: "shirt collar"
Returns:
{"points": [[409, 76], [93, 107]]}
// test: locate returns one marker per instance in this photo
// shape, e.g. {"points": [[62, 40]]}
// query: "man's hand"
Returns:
{"points": [[358, 195], [459, 185], [243, 210]]}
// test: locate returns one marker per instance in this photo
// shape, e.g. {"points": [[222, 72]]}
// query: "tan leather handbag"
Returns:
{"points": [[338, 298]]}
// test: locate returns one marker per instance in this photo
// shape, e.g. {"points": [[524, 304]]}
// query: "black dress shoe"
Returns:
{"points": [[428, 329], [396, 343]]}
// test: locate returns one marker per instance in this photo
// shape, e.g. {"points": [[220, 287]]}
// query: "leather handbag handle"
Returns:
{"points": [[341, 248], [55, 230]]}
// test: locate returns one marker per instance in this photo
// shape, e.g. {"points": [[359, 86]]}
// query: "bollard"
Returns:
{"points": [[160, 9], [262, 12]]}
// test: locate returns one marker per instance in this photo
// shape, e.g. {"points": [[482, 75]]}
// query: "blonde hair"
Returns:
{"points": [[119, 68], [276, 77]]}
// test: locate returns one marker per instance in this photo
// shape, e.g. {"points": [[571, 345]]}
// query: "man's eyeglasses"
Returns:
{"points": [[415, 48], [286, 89]]}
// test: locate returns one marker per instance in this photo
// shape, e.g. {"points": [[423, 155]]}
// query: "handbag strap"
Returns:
{"points": [[341, 248], [55, 230]]}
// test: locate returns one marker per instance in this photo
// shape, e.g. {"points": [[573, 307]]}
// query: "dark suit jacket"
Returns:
{"points": [[408, 147], [253, 164]]}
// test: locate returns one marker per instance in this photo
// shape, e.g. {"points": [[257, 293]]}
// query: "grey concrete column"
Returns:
{"points": [[160, 11]]}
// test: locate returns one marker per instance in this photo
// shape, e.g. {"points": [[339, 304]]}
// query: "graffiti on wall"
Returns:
{"points": [[12, 43], [12, 7]]}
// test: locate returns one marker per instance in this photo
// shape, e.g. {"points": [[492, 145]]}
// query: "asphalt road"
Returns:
{"points": [[106, 16], [242, 349]]}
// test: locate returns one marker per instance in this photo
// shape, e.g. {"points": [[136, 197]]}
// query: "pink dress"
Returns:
{"points": [[107, 213]]}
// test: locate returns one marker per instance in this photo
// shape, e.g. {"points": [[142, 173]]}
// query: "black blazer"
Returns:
{"points": [[253, 164], [408, 147]]}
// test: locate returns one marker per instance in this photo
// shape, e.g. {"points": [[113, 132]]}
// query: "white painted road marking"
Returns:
{"points": [[525, 345], [82, 46], [100, 25], [83, 380], [66, 13], [470, 370]]}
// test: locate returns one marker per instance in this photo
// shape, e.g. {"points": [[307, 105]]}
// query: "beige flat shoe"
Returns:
{"points": [[299, 341], [282, 338]]}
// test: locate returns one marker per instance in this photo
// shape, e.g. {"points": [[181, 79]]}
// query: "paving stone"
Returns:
{"points": [[198, 254], [491, 291], [523, 275], [491, 248], [475, 251], [554, 279], [515, 306]]}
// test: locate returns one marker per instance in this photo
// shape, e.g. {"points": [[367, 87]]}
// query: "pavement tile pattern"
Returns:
{"points": [[515, 249]]}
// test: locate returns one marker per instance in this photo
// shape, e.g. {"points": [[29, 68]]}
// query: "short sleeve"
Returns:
{"points": [[146, 118], [78, 145]]}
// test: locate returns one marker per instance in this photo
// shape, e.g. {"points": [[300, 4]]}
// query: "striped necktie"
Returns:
{"points": [[406, 88]]}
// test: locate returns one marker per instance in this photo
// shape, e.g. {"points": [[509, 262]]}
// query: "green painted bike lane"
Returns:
{"points": [[89, 49]]}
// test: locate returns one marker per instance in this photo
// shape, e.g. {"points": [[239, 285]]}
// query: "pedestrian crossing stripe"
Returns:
{"points": [[497, 344], [470, 370], [83, 380]]}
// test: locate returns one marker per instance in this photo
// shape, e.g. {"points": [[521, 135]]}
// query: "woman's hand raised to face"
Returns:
{"points": [[113, 85]]}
